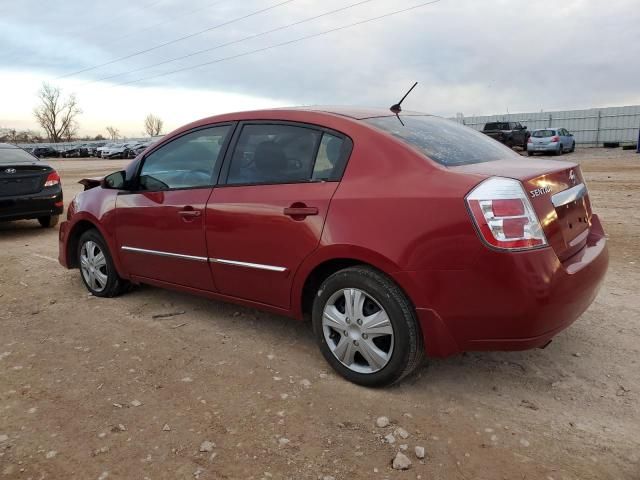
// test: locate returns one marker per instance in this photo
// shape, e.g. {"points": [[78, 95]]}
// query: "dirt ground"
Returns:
{"points": [[97, 388]]}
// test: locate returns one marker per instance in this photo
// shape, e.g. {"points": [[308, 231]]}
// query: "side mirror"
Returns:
{"points": [[115, 181], [524, 127]]}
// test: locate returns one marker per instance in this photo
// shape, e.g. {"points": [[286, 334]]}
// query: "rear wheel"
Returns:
{"points": [[573, 147], [560, 150], [530, 153], [366, 327], [96, 266], [48, 221]]}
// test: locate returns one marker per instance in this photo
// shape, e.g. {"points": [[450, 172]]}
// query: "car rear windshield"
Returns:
{"points": [[444, 141], [15, 155], [543, 133]]}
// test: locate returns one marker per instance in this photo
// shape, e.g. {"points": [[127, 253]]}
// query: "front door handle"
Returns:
{"points": [[299, 211], [189, 213]]}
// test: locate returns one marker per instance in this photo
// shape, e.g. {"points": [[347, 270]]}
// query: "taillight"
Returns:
{"points": [[52, 179], [504, 216], [555, 138]]}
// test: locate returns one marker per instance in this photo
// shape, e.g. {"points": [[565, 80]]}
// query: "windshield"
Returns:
{"points": [[15, 155], [444, 141]]}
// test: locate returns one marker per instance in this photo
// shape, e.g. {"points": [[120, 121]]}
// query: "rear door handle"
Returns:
{"points": [[298, 211]]}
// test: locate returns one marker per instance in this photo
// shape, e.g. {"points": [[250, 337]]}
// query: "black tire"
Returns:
{"points": [[573, 147], [114, 285], [530, 153], [49, 221], [407, 351], [559, 151]]}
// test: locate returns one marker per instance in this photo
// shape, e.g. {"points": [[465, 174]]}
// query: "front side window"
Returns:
{"points": [[443, 141], [272, 153], [187, 162]]}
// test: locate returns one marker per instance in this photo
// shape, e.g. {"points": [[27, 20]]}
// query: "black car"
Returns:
{"points": [[512, 134], [29, 188], [42, 152], [75, 151]]}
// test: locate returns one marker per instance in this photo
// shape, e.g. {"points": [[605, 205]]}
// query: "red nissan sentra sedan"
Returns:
{"points": [[397, 235]]}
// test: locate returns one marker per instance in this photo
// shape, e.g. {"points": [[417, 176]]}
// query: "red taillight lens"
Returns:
{"points": [[52, 179], [504, 216], [555, 138], [508, 208]]}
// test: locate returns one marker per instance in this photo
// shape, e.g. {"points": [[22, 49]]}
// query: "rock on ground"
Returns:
{"points": [[401, 462], [382, 422], [207, 446]]}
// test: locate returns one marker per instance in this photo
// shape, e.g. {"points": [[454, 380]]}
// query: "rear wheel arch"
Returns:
{"points": [[327, 267]]}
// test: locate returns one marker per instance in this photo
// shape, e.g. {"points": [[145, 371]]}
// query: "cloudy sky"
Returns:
{"points": [[470, 56]]}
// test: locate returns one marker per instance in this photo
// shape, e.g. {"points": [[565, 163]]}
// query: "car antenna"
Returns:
{"points": [[397, 108]]}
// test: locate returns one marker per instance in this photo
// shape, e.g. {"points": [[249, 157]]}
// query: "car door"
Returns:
{"points": [[267, 214], [160, 223]]}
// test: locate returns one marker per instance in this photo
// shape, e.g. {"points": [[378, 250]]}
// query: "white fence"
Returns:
{"points": [[590, 127]]}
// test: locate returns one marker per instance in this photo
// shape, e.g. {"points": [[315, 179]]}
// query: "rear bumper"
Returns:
{"points": [[544, 147], [508, 301], [42, 204]]}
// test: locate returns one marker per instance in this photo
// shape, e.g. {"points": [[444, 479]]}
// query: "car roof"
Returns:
{"points": [[357, 113], [8, 145]]}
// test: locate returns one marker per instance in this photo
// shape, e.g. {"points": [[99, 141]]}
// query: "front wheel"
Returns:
{"points": [[96, 266], [573, 147], [366, 327]]}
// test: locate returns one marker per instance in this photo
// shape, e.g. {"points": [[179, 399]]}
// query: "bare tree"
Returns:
{"points": [[55, 114], [153, 125], [113, 133]]}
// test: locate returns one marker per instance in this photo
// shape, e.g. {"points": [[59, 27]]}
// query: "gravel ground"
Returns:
{"points": [[94, 389]]}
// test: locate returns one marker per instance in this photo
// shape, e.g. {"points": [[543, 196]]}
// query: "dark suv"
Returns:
{"points": [[512, 134]]}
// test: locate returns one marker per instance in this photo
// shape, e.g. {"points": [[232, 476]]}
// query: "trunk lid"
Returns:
{"points": [[557, 193], [22, 179]]}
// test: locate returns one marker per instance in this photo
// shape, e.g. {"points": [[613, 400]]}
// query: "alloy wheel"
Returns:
{"points": [[93, 265], [358, 330]]}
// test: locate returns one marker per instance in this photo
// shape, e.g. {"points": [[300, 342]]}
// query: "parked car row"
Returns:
{"points": [[100, 150], [545, 140], [122, 150]]}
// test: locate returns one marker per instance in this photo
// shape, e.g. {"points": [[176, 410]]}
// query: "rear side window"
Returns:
{"points": [[275, 153], [544, 133], [186, 162], [444, 141]]}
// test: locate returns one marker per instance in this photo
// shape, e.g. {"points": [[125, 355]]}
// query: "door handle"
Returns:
{"points": [[189, 212], [299, 211]]}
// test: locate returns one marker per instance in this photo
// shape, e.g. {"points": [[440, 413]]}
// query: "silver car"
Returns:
{"points": [[551, 140]]}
